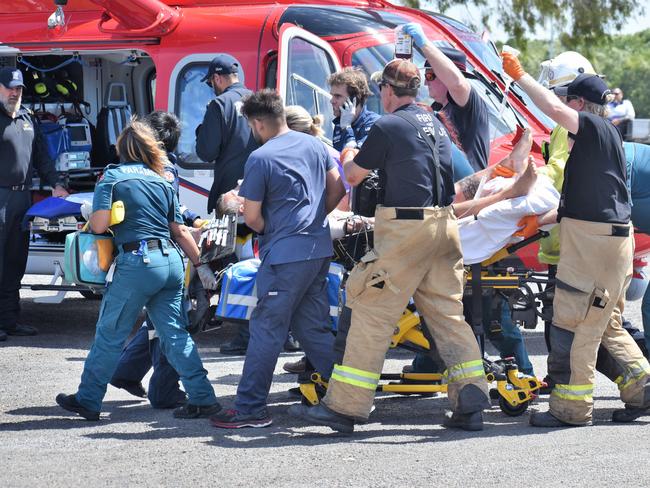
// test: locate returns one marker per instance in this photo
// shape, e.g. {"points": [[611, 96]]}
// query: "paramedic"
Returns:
{"points": [[290, 185], [350, 91], [415, 214], [22, 149], [223, 137], [144, 351], [460, 102], [148, 272], [596, 250]]}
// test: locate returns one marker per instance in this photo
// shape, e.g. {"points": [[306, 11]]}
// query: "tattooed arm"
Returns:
{"points": [[466, 188]]}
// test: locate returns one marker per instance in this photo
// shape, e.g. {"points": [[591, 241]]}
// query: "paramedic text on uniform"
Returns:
{"points": [[224, 136], [417, 254], [290, 185], [148, 272], [596, 250], [21, 151]]}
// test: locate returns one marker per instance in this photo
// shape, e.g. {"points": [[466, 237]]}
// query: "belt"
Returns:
{"points": [[16, 187], [135, 245], [409, 214]]}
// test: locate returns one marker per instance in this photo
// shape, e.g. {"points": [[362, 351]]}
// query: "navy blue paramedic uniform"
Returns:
{"points": [[287, 174], [22, 150], [144, 351], [356, 135], [225, 139], [150, 276]]}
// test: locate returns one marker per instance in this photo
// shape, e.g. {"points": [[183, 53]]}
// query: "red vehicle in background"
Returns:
{"points": [[133, 56]]}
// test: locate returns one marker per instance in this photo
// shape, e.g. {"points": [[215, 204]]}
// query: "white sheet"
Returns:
{"points": [[492, 228]]}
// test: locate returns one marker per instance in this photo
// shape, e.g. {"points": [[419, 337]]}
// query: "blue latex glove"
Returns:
{"points": [[415, 31]]}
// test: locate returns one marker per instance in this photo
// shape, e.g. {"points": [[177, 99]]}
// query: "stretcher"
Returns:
{"points": [[513, 389]]}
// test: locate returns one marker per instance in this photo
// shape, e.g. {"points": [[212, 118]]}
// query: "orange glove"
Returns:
{"points": [[503, 171], [529, 226], [346, 151], [512, 66]]}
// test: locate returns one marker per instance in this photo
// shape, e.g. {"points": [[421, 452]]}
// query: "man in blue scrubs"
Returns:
{"points": [[290, 185]]}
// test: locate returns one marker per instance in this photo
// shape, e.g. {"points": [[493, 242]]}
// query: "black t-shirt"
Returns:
{"points": [[22, 149], [405, 161], [473, 127], [594, 186]]}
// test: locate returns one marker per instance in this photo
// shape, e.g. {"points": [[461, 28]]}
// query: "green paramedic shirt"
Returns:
{"points": [[150, 202]]}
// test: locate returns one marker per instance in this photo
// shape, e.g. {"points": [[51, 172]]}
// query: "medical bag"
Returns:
{"points": [[55, 137], [365, 196], [238, 297], [88, 257]]}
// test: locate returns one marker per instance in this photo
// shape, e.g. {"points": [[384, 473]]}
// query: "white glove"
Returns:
{"points": [[348, 112], [86, 209], [207, 277]]}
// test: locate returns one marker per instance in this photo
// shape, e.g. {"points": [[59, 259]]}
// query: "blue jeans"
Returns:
{"points": [[511, 342], [158, 285], [291, 296], [137, 358]]}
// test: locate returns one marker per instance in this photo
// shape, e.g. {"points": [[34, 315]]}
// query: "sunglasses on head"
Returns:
{"points": [[572, 97], [429, 75]]}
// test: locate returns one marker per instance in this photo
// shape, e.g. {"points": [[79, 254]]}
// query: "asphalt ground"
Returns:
{"points": [[403, 444]]}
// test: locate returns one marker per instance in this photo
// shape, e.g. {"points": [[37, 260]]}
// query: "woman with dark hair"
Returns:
{"points": [[148, 272]]}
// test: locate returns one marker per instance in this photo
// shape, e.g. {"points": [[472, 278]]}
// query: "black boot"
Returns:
{"points": [[549, 421], [238, 346], [466, 421], [630, 413], [321, 415], [70, 403]]}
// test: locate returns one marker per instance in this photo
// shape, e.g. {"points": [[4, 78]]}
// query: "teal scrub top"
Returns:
{"points": [[150, 202]]}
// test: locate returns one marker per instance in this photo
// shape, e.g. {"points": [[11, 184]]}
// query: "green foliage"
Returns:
{"points": [[623, 60], [576, 22]]}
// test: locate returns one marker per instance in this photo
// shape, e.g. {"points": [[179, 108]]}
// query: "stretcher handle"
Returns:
{"points": [[518, 245]]}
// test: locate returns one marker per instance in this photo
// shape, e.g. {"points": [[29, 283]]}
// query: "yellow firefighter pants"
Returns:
{"points": [[594, 271], [417, 254]]}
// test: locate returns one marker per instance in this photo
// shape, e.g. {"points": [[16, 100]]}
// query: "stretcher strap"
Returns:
{"points": [[355, 377], [576, 393], [632, 373]]}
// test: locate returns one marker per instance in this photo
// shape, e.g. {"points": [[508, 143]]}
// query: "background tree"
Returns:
{"points": [[577, 22]]}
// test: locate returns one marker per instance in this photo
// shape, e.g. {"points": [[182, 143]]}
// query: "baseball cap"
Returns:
{"points": [[11, 77], [590, 87], [457, 56], [222, 64], [401, 73]]}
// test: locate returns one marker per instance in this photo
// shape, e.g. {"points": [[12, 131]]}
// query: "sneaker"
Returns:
{"points": [[20, 330], [321, 415], [135, 388], [189, 411], [232, 419], [296, 367], [465, 421], [70, 403]]}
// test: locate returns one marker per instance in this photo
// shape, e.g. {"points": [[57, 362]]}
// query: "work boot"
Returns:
{"points": [[321, 415], [466, 421], [233, 419], [296, 367], [630, 413], [189, 411], [3, 336], [70, 403], [238, 346], [19, 330], [291, 344], [135, 388], [549, 421]]}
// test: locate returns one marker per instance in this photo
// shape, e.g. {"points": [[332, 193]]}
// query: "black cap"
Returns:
{"points": [[589, 87], [11, 77], [457, 56], [222, 64]]}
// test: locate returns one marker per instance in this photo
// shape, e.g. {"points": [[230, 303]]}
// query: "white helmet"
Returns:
{"points": [[563, 69]]}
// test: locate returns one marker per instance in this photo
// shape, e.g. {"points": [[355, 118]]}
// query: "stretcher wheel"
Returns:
{"points": [[511, 410]]}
